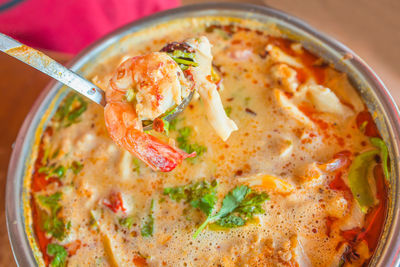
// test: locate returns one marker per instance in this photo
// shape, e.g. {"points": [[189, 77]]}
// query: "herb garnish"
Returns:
{"points": [[52, 224], [126, 222], [183, 143], [76, 167], [201, 195], [59, 254], [56, 171], [238, 206], [68, 113], [148, 225], [184, 59]]}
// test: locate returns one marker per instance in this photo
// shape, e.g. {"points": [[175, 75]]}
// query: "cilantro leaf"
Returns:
{"points": [[51, 223], [148, 226], [183, 143], [231, 221], [238, 206], [59, 254], [55, 171], [50, 202], [232, 200], [54, 226], [252, 205], [201, 195]]}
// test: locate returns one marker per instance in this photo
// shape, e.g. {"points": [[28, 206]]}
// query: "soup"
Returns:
{"points": [[300, 183]]}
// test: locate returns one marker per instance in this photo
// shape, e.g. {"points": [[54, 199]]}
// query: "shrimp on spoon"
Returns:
{"points": [[144, 88]]}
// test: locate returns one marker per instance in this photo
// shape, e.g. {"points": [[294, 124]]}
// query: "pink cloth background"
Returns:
{"points": [[70, 25]]}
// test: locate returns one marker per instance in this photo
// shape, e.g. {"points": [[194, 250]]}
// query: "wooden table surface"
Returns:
{"points": [[20, 85]]}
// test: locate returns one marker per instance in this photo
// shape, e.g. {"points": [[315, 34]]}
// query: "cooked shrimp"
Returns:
{"points": [[143, 88]]}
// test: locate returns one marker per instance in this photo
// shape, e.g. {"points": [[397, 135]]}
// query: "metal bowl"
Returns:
{"points": [[363, 78]]}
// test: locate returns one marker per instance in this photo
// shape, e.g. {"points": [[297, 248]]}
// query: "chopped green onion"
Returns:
{"points": [[185, 62], [148, 225]]}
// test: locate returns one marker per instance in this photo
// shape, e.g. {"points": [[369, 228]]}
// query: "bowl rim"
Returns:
{"points": [[15, 220]]}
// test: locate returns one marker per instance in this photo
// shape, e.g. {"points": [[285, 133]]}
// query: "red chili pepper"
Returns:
{"points": [[114, 202], [370, 129]]}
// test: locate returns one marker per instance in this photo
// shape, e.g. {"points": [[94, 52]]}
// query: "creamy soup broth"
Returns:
{"points": [[105, 197]]}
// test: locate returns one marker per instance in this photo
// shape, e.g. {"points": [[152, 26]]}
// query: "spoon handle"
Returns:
{"points": [[49, 66]]}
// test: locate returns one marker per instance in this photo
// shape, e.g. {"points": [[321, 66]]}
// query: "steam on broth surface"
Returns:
{"points": [[299, 183]]}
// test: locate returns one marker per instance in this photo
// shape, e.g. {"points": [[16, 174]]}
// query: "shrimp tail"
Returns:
{"points": [[158, 155], [126, 130]]}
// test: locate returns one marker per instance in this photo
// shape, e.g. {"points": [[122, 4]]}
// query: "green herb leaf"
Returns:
{"points": [[126, 222], [201, 195], [53, 171], [241, 203], [51, 223], [229, 204], [76, 167], [59, 254], [358, 179], [54, 226], [73, 107], [184, 132], [183, 143], [232, 200], [252, 204], [59, 171], [148, 226], [384, 154], [50, 202], [231, 221]]}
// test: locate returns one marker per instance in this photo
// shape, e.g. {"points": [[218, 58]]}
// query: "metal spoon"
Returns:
{"points": [[52, 68]]}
